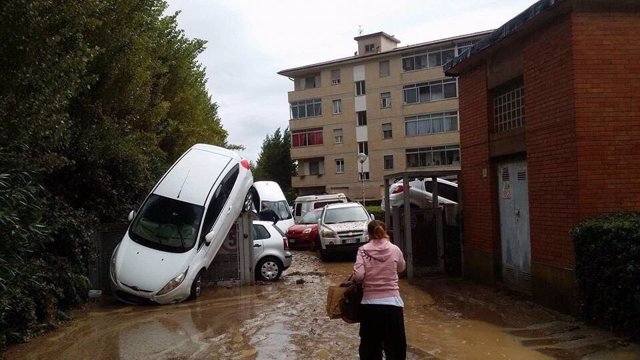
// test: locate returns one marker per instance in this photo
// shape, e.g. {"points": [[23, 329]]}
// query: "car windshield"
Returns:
{"points": [[311, 217], [279, 207], [346, 214], [167, 224]]}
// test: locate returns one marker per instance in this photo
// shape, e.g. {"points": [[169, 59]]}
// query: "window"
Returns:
{"points": [[360, 89], [306, 108], [306, 137], [312, 81], [384, 68], [339, 166], [363, 147], [337, 106], [388, 162], [314, 167], [431, 123], [508, 107], [387, 132], [335, 77], [430, 91], [369, 47], [433, 156], [363, 175], [337, 136], [362, 118], [427, 59], [260, 232], [385, 100]]}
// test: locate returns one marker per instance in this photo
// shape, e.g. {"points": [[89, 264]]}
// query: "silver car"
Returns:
{"points": [[270, 251]]}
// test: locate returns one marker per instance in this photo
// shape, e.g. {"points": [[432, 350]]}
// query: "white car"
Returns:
{"points": [[180, 227], [342, 228], [420, 193], [270, 251]]}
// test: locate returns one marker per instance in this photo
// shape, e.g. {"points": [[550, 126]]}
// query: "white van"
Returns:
{"points": [[304, 204], [267, 195], [180, 227]]}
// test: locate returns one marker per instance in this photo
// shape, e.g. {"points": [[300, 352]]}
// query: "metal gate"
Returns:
{"points": [[514, 225]]}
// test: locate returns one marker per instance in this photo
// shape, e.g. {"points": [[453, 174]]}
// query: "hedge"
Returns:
{"points": [[608, 271]]}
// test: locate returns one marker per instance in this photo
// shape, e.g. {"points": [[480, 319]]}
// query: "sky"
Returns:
{"points": [[249, 41]]}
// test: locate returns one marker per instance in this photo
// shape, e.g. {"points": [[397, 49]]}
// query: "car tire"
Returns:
{"points": [[269, 269], [248, 201], [323, 255], [196, 286]]}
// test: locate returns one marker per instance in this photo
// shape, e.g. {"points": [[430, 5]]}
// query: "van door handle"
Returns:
{"points": [[257, 245]]}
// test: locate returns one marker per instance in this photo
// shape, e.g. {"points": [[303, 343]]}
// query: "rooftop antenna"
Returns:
{"points": [[359, 29]]}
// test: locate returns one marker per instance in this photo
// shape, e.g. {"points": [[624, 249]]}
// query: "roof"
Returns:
{"points": [[506, 30], [358, 58], [380, 33]]}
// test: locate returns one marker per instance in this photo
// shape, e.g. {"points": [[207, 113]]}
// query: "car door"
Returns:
{"points": [[216, 219], [260, 234]]}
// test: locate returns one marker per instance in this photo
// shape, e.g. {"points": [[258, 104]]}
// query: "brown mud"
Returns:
{"points": [[445, 319]]}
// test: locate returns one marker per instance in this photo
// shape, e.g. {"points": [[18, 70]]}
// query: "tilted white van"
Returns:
{"points": [[267, 195], [180, 227]]}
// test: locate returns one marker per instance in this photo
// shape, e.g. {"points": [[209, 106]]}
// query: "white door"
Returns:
{"points": [[513, 195]]}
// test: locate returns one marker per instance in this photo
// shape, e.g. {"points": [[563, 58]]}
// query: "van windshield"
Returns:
{"points": [[279, 207], [346, 214], [167, 224]]}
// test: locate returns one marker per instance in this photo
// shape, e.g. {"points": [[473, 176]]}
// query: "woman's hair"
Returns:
{"points": [[377, 229]]}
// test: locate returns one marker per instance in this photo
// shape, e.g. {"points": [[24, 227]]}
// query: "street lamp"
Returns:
{"points": [[361, 159]]}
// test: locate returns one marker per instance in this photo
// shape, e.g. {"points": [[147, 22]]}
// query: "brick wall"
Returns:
{"points": [[550, 137], [477, 191], [607, 103]]}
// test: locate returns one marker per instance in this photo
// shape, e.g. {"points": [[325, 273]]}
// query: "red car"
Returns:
{"points": [[304, 235]]}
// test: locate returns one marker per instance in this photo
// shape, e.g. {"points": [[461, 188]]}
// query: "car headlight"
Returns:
{"points": [[173, 283], [112, 268], [306, 231], [328, 233]]}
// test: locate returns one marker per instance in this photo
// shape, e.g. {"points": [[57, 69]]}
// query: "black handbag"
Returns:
{"points": [[351, 299]]}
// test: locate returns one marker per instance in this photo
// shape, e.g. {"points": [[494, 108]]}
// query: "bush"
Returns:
{"points": [[378, 212], [608, 271]]}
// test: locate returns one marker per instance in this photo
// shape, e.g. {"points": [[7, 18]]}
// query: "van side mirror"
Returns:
{"points": [[269, 215], [132, 215], [373, 217]]}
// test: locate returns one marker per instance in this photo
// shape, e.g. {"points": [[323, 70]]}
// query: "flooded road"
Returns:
{"points": [[445, 319]]}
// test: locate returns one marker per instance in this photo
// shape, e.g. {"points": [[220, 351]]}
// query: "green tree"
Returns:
{"points": [[97, 99], [274, 161]]}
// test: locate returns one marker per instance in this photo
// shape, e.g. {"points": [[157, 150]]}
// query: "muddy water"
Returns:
{"points": [[286, 320]]}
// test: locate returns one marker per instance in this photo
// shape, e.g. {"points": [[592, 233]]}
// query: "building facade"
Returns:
{"points": [[392, 104], [550, 135]]}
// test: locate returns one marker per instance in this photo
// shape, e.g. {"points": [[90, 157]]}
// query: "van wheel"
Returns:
{"points": [[248, 201], [268, 269], [196, 286]]}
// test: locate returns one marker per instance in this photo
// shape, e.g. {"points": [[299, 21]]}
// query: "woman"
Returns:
{"points": [[382, 319]]}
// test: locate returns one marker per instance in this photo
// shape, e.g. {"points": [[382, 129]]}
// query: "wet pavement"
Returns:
{"points": [[445, 319]]}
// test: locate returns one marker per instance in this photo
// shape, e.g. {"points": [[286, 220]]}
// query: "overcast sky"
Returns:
{"points": [[249, 41]]}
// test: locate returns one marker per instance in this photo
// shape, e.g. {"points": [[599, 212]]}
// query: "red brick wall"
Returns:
{"points": [[550, 137], [477, 192], [607, 95]]}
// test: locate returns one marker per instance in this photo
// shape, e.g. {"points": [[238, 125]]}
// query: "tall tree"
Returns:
{"points": [[97, 98], [274, 161]]}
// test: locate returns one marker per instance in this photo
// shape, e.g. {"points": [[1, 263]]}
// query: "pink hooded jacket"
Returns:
{"points": [[378, 263]]}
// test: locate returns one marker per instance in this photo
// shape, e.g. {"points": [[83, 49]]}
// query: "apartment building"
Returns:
{"points": [[393, 104]]}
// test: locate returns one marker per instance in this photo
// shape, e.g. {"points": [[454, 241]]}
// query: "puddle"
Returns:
{"points": [[286, 320]]}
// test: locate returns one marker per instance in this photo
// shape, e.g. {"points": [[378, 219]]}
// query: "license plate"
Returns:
{"points": [[292, 241], [349, 241]]}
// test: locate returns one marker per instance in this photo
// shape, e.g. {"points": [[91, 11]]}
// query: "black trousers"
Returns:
{"points": [[382, 329]]}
